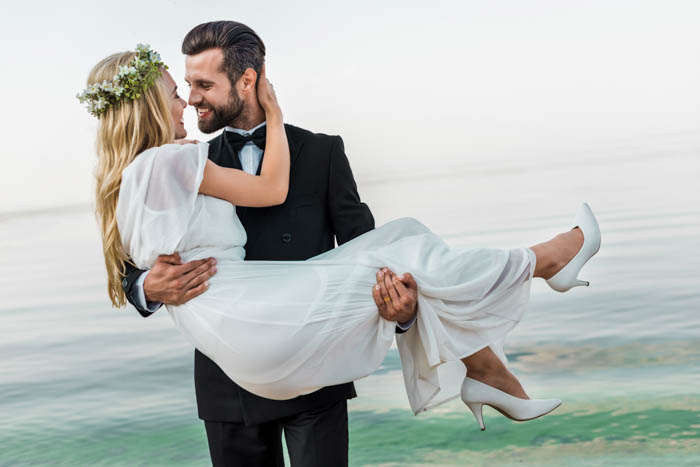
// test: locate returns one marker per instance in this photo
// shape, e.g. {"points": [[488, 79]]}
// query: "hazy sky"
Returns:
{"points": [[409, 85]]}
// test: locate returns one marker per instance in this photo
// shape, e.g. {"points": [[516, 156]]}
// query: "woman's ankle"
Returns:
{"points": [[503, 380], [495, 377], [546, 260], [571, 243], [554, 255]]}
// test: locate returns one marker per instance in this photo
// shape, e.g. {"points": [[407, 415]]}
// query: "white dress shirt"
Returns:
{"points": [[250, 156]]}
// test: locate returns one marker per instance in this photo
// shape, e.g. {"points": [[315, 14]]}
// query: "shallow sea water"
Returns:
{"points": [[84, 384]]}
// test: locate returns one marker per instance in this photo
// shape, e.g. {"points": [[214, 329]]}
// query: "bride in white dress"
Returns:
{"points": [[280, 329]]}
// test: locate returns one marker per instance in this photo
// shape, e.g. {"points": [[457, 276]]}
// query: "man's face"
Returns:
{"points": [[217, 102]]}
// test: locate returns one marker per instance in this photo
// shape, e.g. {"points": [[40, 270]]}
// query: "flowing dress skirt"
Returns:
{"points": [[281, 329]]}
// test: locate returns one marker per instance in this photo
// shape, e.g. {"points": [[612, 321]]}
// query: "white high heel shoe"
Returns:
{"points": [[477, 394], [567, 277]]}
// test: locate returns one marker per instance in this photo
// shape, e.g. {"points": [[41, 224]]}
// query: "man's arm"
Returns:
{"points": [[140, 295], [130, 283], [350, 217]]}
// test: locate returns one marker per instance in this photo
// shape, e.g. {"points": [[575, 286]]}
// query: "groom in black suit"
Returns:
{"points": [[323, 206]]}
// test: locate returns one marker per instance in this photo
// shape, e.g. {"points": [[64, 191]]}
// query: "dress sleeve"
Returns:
{"points": [[157, 199]]}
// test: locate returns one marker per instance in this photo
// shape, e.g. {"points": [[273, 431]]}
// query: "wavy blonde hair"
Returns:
{"points": [[125, 130]]}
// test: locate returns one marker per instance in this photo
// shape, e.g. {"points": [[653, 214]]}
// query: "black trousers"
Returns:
{"points": [[317, 437]]}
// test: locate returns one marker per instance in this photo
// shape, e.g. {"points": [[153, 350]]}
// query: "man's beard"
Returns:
{"points": [[222, 116]]}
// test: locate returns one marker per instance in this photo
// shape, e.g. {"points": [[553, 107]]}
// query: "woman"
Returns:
{"points": [[319, 326]]}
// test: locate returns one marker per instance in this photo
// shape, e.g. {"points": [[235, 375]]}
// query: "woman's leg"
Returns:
{"points": [[552, 256], [486, 367]]}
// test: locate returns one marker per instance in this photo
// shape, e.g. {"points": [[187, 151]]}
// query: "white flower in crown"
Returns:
{"points": [[129, 83]]}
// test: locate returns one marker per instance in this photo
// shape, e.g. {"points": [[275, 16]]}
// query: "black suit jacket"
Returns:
{"points": [[322, 204]]}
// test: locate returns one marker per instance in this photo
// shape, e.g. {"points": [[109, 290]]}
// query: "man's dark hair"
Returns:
{"points": [[241, 46]]}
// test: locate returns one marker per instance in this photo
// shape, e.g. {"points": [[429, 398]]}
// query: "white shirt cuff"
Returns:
{"points": [[140, 295], [407, 325]]}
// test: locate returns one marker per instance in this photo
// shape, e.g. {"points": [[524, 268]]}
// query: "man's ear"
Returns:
{"points": [[248, 80]]}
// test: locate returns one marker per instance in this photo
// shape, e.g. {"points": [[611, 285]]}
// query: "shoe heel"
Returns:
{"points": [[578, 283], [477, 411]]}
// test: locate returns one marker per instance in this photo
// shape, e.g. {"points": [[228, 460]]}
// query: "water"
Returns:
{"points": [[85, 384]]}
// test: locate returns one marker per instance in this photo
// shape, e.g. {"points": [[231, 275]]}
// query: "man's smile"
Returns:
{"points": [[203, 112]]}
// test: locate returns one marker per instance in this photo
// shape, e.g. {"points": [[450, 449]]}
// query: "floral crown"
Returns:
{"points": [[129, 83]]}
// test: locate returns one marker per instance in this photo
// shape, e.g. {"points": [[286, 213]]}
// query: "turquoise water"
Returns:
{"points": [[84, 384]]}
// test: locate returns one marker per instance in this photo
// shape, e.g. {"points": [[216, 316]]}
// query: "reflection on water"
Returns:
{"points": [[84, 384]]}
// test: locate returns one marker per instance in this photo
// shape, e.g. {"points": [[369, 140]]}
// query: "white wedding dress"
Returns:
{"points": [[281, 329]]}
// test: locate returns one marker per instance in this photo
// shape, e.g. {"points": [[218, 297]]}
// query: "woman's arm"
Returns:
{"points": [[271, 186]]}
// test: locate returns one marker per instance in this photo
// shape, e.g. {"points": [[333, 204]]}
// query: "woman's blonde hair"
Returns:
{"points": [[125, 130]]}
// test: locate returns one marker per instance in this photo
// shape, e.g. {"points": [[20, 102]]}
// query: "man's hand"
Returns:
{"points": [[396, 296], [171, 282]]}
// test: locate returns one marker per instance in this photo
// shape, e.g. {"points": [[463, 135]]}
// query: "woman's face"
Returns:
{"points": [[177, 105]]}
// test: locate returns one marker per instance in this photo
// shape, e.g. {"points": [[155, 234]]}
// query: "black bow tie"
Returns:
{"points": [[237, 141]]}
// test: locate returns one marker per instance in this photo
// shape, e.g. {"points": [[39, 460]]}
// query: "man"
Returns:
{"points": [[222, 65]]}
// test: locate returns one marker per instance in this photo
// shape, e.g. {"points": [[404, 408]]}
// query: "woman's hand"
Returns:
{"points": [[266, 95], [185, 141]]}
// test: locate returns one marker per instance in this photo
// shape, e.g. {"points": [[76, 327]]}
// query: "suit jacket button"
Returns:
{"points": [[287, 237], [124, 282]]}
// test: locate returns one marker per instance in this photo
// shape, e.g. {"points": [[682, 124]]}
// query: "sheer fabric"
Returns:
{"points": [[281, 329]]}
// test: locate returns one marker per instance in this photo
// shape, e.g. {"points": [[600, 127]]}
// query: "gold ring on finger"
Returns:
{"points": [[387, 299]]}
